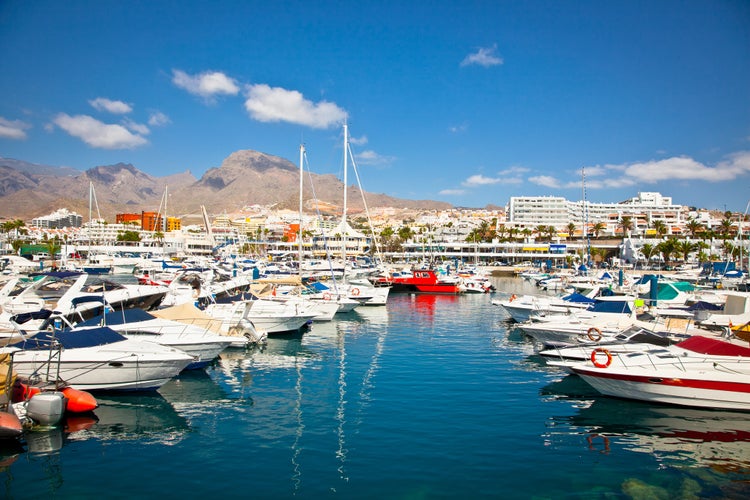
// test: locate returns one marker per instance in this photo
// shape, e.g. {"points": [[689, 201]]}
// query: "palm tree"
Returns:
{"points": [[626, 223], [571, 230], [694, 227], [667, 248], [660, 227], [598, 228], [685, 248], [647, 249]]}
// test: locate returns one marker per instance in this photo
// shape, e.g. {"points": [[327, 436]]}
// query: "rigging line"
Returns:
{"points": [[364, 201], [320, 217]]}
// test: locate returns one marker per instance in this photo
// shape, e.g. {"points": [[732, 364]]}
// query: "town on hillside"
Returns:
{"points": [[646, 231]]}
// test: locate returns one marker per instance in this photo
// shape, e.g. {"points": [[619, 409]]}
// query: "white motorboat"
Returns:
{"points": [[700, 371], [265, 315], [601, 322], [528, 307], [200, 343], [96, 358], [67, 293]]}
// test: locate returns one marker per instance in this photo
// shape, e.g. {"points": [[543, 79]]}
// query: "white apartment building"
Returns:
{"points": [[556, 211], [58, 219]]}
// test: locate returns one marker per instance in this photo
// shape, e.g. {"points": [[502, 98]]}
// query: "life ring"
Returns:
{"points": [[326, 296], [355, 291], [596, 361], [512, 298], [605, 443], [594, 334]]}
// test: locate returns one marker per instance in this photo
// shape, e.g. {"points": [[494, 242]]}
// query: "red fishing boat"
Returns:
{"points": [[421, 280]]}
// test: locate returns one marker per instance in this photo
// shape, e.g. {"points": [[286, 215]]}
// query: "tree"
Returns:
{"points": [[405, 233], [660, 227], [647, 250], [598, 228], [667, 248], [685, 248], [626, 223], [571, 230], [128, 236], [694, 227]]}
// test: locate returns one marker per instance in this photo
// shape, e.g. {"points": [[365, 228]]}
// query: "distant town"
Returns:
{"points": [[648, 229]]}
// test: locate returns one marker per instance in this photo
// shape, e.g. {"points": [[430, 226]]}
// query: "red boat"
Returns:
{"points": [[422, 280]]}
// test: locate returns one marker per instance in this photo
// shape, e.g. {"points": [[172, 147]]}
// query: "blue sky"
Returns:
{"points": [[469, 102]]}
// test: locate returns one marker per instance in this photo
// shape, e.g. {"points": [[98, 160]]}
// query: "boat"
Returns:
{"points": [[265, 315], [529, 307], [66, 292], [198, 342], [700, 371], [422, 281], [95, 358], [10, 425]]}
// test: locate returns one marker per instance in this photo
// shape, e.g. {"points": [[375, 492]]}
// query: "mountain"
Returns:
{"points": [[244, 178]]}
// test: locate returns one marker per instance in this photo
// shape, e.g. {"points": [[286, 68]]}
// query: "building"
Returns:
{"points": [[643, 210], [58, 219]]}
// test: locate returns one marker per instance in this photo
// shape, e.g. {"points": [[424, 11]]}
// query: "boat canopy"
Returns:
{"points": [[22, 318], [611, 306], [579, 298], [706, 345], [121, 317], [70, 339]]}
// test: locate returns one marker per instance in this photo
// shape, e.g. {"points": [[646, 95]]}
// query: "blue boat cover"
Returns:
{"points": [[704, 306], [319, 286], [24, 317], [579, 298], [120, 317], [71, 339], [610, 306]]}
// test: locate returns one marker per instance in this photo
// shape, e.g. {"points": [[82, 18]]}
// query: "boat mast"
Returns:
{"points": [[343, 218], [299, 236]]}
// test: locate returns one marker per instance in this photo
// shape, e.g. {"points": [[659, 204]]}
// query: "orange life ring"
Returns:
{"points": [[594, 330], [355, 291], [595, 360], [512, 298], [326, 296]]}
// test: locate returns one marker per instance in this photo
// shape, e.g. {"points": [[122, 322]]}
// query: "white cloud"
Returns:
{"points": [[275, 104], [370, 157], [545, 180], [361, 141], [452, 192], [678, 168], [110, 106], [98, 134], [480, 180], [513, 171], [483, 57], [207, 84], [158, 119], [138, 128], [13, 129]]}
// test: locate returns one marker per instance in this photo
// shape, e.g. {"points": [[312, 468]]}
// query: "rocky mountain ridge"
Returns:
{"points": [[245, 178]]}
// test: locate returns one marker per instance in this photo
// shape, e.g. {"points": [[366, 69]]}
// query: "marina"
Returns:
{"points": [[431, 396]]}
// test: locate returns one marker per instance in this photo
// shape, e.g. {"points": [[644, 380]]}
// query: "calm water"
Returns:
{"points": [[430, 397]]}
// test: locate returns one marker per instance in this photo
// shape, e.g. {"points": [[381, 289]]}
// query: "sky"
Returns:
{"points": [[468, 102]]}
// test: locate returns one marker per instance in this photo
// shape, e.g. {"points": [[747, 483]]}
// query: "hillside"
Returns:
{"points": [[244, 178]]}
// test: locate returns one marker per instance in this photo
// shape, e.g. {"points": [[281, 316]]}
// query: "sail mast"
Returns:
{"points": [[299, 236], [343, 218]]}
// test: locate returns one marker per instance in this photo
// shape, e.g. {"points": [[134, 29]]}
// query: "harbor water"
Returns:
{"points": [[429, 397]]}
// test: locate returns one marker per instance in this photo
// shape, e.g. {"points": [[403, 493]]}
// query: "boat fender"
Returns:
{"points": [[594, 334], [326, 296], [595, 360], [355, 291], [512, 298], [79, 401]]}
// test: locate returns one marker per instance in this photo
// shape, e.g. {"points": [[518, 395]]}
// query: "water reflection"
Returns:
{"points": [[675, 436], [146, 418]]}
